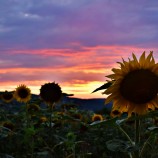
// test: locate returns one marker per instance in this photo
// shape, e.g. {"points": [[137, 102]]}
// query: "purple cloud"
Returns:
{"points": [[56, 24]]}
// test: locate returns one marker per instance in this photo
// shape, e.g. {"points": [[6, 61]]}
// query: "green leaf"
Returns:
{"points": [[43, 154], [104, 86], [30, 131], [119, 122], [4, 132], [5, 156], [60, 143], [110, 122], [120, 145], [153, 129]]}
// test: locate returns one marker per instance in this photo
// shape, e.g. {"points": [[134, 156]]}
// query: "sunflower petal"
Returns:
{"points": [[149, 56], [142, 59], [134, 57]]}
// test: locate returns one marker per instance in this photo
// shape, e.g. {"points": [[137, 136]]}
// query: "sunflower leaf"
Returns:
{"points": [[120, 145], [110, 122], [4, 132], [104, 86], [119, 122], [153, 129], [67, 117], [6, 156], [43, 154]]}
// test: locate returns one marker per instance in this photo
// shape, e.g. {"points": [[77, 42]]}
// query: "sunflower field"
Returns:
{"points": [[45, 127]]}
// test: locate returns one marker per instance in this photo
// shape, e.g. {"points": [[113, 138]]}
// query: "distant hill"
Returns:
{"points": [[95, 104]]}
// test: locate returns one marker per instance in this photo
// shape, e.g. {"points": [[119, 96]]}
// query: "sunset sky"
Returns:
{"points": [[72, 42]]}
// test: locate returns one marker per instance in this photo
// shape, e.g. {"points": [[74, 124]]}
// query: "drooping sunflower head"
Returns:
{"points": [[60, 113], [135, 85], [43, 119], [22, 93], [7, 96], [97, 117], [50, 92], [8, 125], [31, 108], [115, 113]]}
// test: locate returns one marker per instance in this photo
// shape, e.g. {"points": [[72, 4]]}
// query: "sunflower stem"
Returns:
{"points": [[51, 107], [137, 136], [50, 121], [145, 144], [27, 116], [127, 136], [130, 155], [32, 148]]}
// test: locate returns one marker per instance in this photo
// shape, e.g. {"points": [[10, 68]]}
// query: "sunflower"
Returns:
{"points": [[22, 93], [7, 96], [135, 85], [50, 92], [43, 119], [97, 117], [8, 125], [115, 113], [32, 107]]}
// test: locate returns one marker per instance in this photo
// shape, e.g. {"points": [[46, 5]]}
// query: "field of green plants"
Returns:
{"points": [[66, 132]]}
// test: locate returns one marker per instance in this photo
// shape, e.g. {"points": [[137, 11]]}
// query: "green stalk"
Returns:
{"points": [[130, 155], [50, 116], [27, 116], [145, 144], [51, 107], [127, 136], [137, 136], [32, 148]]}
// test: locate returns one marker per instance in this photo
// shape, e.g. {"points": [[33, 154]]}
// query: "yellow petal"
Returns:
{"points": [[110, 98], [134, 57], [141, 109], [151, 106], [142, 60], [149, 56]]}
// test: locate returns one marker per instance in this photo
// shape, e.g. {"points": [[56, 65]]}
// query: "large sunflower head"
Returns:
{"points": [[7, 96], [50, 92], [135, 85], [22, 93]]}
